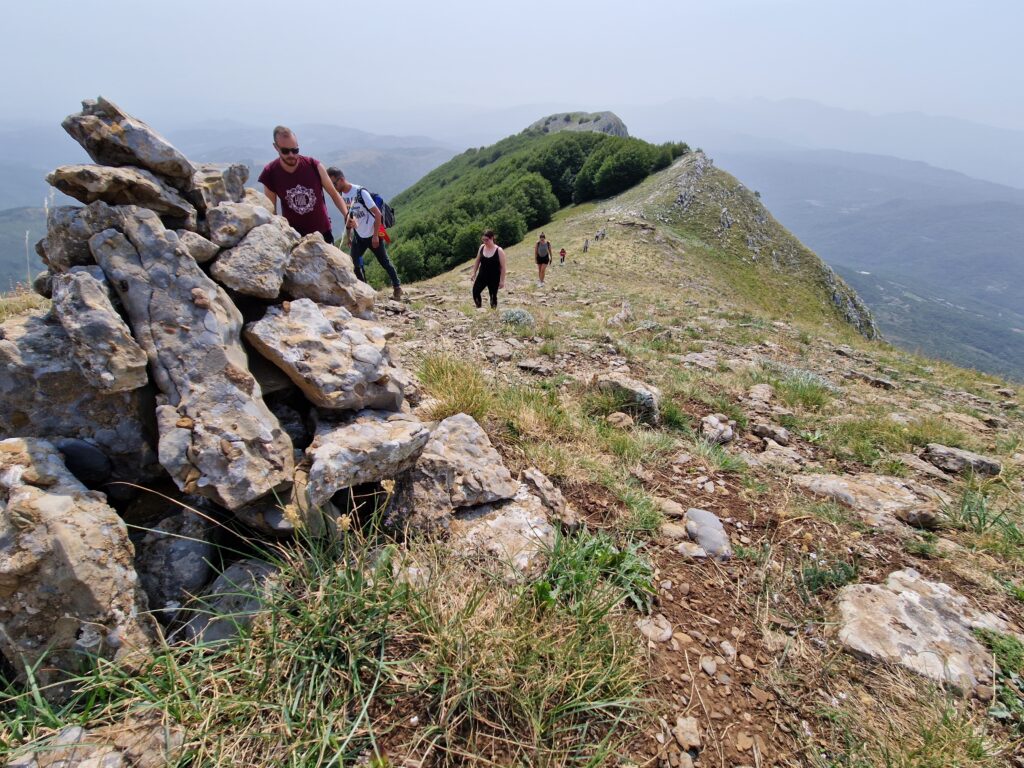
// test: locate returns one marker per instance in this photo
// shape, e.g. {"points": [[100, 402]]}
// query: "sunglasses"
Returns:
{"points": [[288, 150]]}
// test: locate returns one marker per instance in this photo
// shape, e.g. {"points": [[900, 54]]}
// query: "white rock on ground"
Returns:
{"points": [[516, 533], [372, 446], [217, 437], [329, 356], [68, 586], [924, 626], [707, 531], [879, 500], [643, 398], [101, 343]]}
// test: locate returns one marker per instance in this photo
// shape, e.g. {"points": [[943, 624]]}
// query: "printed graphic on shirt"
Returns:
{"points": [[300, 199]]}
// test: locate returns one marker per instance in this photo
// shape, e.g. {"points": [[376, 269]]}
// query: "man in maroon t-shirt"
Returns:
{"points": [[299, 182]]}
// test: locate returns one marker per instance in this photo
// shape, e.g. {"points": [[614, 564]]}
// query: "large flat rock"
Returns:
{"points": [[641, 399], [43, 393], [323, 273], [101, 343], [230, 221], [879, 500], [113, 137], [217, 436], [924, 626], [121, 186], [370, 447], [958, 460], [339, 362], [68, 587]]}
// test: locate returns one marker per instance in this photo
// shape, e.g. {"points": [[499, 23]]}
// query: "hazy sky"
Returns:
{"points": [[314, 60]]}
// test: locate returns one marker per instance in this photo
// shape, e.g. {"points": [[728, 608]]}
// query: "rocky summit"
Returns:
{"points": [[678, 506]]}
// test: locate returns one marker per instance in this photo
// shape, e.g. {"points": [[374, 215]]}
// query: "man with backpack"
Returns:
{"points": [[365, 226]]}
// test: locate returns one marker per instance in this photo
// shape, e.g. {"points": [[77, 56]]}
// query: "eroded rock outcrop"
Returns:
{"points": [[879, 500], [256, 265], [642, 399], [68, 588], [121, 186], [217, 437]]}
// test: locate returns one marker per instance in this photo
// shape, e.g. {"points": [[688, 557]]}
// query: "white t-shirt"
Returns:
{"points": [[362, 210]]}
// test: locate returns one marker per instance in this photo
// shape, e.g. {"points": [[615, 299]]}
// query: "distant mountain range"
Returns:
{"points": [[939, 256]]}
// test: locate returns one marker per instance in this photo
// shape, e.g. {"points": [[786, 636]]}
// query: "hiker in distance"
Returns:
{"points": [[488, 269], [542, 255], [561, 256], [299, 182], [586, 245], [365, 227]]}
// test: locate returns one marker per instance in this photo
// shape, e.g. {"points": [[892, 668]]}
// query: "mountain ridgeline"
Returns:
{"points": [[512, 187]]}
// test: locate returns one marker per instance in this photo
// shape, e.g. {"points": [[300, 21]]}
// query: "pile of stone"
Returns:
{"points": [[198, 345]]}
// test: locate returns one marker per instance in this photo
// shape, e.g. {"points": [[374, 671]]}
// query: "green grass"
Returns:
{"points": [[1009, 655], [642, 517], [457, 386], [820, 576], [20, 301], [716, 457], [345, 653]]}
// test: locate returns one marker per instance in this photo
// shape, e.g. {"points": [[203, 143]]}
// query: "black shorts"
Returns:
{"points": [[543, 259]]}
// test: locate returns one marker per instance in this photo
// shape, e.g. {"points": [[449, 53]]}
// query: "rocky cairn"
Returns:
{"points": [[197, 345]]}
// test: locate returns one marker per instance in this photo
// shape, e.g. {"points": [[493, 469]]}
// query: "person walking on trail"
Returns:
{"points": [[299, 182], [586, 245], [542, 255], [365, 228], [488, 270], [561, 256]]}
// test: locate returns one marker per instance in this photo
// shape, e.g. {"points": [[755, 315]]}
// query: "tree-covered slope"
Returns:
{"points": [[512, 187]]}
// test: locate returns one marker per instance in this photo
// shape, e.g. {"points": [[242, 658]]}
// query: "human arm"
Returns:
{"points": [[476, 264], [377, 218], [271, 196], [331, 191], [501, 262]]}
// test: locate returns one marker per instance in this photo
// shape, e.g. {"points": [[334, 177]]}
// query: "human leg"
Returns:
{"points": [[382, 258], [478, 288], [359, 246], [492, 287]]}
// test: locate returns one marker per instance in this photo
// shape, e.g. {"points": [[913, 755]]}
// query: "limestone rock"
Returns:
{"points": [[67, 584], [173, 561], [113, 137], [121, 186], [643, 399], [256, 265], [229, 222], [911, 461], [957, 460], [215, 183], [231, 603], [870, 378], [623, 316], [922, 625], [718, 428], [775, 456], [372, 446], [516, 533], [323, 273], [655, 628], [619, 420], [217, 437], [771, 432], [457, 468], [72, 747], [687, 733], [44, 394], [552, 498], [325, 351], [707, 531], [68, 229], [878, 499], [198, 247], [255, 197], [101, 344]]}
